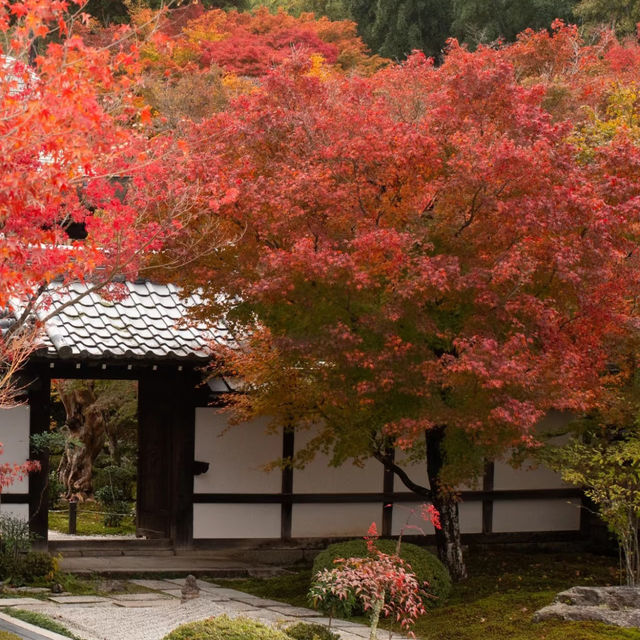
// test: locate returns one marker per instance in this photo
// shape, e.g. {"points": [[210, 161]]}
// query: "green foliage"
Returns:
{"points": [[90, 521], [394, 28], [15, 538], [332, 9], [5, 635], [118, 11], [483, 21], [606, 464], [424, 564], [26, 567], [621, 15], [115, 493], [224, 628], [306, 631], [40, 620]]}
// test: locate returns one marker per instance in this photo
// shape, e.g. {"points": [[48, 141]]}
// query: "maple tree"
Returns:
{"points": [[424, 261]]}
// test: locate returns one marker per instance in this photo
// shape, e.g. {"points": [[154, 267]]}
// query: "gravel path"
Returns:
{"points": [[150, 616]]}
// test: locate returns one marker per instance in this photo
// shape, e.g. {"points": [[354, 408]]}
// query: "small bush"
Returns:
{"points": [[224, 628], [306, 631], [26, 568], [5, 635], [424, 564]]}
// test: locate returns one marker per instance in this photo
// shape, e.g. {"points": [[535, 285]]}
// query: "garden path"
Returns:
{"points": [[151, 615]]}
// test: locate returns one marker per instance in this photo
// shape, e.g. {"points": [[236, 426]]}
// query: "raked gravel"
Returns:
{"points": [[137, 619]]}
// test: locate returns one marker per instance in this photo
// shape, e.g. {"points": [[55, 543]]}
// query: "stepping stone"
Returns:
{"points": [[78, 599], [173, 593], [18, 602], [33, 590], [232, 605], [201, 583], [156, 585], [296, 612], [140, 604], [142, 597], [254, 601]]}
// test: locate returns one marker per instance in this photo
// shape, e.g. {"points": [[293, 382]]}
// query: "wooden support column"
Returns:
{"points": [[487, 500], [387, 504], [184, 435], [286, 509], [166, 437], [39, 415]]}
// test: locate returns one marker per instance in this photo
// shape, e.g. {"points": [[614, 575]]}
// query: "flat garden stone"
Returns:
{"points": [[18, 602], [172, 593], [254, 601], [78, 599], [156, 585], [618, 606], [145, 597], [296, 612], [140, 603]]}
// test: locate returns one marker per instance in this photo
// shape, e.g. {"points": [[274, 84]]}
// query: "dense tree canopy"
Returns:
{"points": [[428, 254]]}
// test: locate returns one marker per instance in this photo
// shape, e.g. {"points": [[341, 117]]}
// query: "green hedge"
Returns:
{"points": [[224, 628], [424, 564], [26, 567]]}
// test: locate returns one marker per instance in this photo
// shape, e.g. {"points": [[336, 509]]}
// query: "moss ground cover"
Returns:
{"points": [[497, 601], [90, 521]]}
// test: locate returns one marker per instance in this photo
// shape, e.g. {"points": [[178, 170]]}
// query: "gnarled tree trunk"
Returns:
{"points": [[448, 538], [87, 432]]}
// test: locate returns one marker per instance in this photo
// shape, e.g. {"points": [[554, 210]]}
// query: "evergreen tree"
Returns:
{"points": [[621, 15], [394, 28], [332, 9], [483, 21]]}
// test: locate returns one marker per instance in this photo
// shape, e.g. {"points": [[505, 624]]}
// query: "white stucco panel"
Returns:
{"points": [[527, 476], [14, 435], [334, 520], [236, 455], [15, 510], [407, 514], [236, 521], [510, 516], [319, 477]]}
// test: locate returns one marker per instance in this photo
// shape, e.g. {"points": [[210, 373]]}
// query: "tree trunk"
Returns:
{"points": [[86, 439], [448, 539]]}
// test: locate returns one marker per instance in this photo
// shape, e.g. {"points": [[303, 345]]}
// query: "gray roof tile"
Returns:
{"points": [[149, 323]]}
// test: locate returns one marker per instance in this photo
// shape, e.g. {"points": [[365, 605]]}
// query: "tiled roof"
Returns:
{"points": [[149, 322]]}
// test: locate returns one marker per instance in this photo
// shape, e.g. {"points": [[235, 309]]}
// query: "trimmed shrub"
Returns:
{"points": [[26, 568], [424, 564], [5, 635], [307, 631], [224, 628]]}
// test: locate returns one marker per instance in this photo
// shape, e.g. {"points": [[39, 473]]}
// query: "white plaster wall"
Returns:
{"points": [[525, 477], [470, 518], [319, 477], [536, 515], [334, 520], [236, 521], [14, 435], [235, 456], [16, 510]]}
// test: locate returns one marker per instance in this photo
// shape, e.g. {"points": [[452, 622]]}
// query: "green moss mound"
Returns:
{"points": [[5, 635], [424, 564], [224, 628], [306, 631]]}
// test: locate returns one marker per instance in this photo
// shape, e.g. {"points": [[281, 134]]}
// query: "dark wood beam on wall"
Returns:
{"points": [[286, 510], [351, 498], [387, 502], [487, 501], [39, 395]]}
